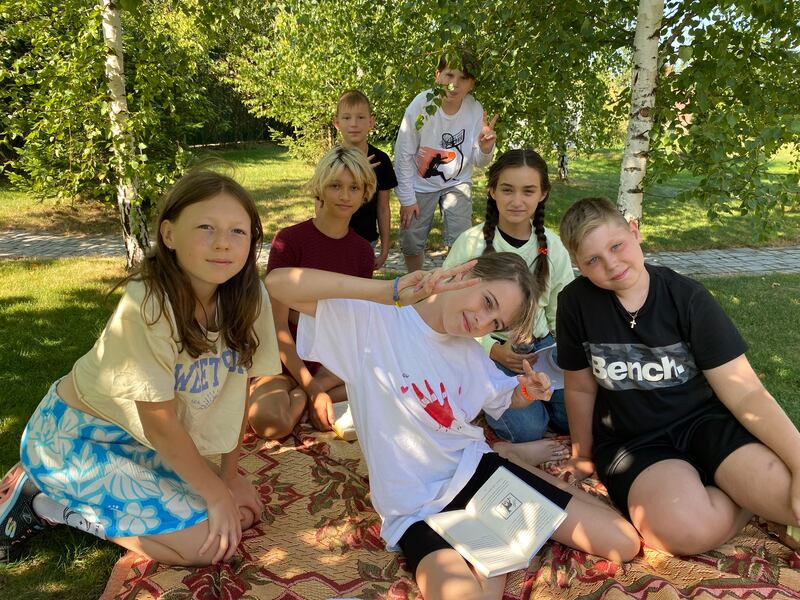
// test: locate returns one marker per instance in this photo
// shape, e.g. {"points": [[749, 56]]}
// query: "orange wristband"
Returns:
{"points": [[525, 393]]}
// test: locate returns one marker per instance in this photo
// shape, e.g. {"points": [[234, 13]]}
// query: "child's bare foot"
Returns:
{"points": [[533, 453]]}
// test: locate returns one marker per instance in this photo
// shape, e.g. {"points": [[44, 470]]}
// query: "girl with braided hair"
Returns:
{"points": [[518, 189]]}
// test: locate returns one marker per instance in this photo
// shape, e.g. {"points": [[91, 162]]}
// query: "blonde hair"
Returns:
{"points": [[337, 160], [583, 217], [351, 99]]}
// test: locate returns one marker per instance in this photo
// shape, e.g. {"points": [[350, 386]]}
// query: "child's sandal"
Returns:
{"points": [[18, 521]]}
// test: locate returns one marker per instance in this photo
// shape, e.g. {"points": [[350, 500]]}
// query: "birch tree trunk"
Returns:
{"points": [[643, 96], [134, 227]]}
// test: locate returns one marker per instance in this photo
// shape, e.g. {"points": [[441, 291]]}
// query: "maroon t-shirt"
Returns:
{"points": [[303, 245]]}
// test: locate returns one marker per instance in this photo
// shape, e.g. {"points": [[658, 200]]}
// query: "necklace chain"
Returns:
{"points": [[633, 316]]}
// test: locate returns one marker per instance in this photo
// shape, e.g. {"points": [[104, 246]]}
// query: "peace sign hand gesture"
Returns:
{"points": [[487, 137], [533, 385], [418, 285]]}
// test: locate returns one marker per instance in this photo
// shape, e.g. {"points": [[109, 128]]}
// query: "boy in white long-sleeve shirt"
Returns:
{"points": [[434, 163]]}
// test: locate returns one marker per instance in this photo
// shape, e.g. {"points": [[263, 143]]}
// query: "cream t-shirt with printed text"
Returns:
{"points": [[133, 361]]}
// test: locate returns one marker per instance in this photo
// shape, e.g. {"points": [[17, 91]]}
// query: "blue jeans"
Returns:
{"points": [[530, 423]]}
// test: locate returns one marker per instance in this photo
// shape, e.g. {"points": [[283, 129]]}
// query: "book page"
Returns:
{"points": [[343, 424], [546, 363], [516, 512], [476, 542]]}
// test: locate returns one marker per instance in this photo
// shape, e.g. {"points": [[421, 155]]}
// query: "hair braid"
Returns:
{"points": [[490, 224], [541, 269]]}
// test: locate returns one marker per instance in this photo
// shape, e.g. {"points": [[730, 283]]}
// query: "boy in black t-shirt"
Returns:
{"points": [[661, 399], [354, 120]]}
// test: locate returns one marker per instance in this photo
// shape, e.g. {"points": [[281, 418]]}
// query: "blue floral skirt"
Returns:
{"points": [[101, 472]]}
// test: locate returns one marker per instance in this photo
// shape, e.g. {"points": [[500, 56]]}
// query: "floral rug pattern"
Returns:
{"points": [[319, 539]]}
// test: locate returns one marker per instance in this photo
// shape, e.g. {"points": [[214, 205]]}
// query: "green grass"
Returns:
{"points": [[52, 311], [766, 309], [50, 314], [19, 211], [277, 181], [668, 224]]}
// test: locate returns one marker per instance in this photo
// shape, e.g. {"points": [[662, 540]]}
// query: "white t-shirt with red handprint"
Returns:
{"points": [[413, 394]]}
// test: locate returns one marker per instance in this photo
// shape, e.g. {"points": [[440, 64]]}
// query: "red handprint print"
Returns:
{"points": [[440, 412]]}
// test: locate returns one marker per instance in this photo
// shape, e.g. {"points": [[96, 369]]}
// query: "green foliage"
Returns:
{"points": [[556, 73], [51, 66], [56, 137], [544, 68], [728, 101]]}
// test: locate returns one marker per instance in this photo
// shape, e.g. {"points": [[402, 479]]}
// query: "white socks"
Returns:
{"points": [[49, 509]]}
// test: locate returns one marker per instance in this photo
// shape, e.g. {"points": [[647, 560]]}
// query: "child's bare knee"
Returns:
{"points": [[684, 534], [627, 544], [270, 417]]}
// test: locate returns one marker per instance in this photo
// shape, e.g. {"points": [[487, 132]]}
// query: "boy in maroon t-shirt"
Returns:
{"points": [[343, 181]]}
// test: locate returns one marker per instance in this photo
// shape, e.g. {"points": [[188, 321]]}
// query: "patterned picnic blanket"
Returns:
{"points": [[319, 539]]}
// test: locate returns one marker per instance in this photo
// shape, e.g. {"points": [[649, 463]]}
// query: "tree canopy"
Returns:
{"points": [[727, 95]]}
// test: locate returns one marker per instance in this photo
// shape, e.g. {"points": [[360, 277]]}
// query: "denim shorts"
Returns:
{"points": [[456, 205]]}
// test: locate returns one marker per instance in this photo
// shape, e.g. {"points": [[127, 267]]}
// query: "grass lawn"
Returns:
{"points": [[277, 184], [50, 314], [52, 311]]}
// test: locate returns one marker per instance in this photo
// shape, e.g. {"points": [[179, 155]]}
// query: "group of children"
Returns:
{"points": [[658, 395]]}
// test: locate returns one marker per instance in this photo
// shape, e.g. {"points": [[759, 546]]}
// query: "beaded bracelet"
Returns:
{"points": [[525, 393], [396, 294]]}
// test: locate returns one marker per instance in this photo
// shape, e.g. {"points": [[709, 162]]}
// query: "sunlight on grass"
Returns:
{"points": [[766, 311], [277, 183], [50, 314], [8, 424]]}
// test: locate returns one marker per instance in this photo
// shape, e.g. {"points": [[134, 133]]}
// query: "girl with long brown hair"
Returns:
{"points": [[117, 447], [518, 190]]}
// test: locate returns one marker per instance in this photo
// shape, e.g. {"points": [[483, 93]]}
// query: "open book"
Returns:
{"points": [[502, 527], [343, 425]]}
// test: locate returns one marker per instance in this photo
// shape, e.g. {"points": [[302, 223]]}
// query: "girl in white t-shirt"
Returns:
{"points": [[416, 378], [117, 447]]}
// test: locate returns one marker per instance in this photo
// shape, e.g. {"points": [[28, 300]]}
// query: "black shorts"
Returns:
{"points": [[419, 540], [703, 441]]}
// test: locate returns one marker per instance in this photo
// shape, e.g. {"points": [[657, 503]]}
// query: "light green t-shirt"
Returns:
{"points": [[471, 244], [136, 362]]}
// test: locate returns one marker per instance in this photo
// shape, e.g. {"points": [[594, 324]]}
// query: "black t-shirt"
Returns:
{"points": [[512, 241], [650, 376], [365, 219]]}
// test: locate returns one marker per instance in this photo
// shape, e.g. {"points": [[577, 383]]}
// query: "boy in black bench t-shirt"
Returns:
{"points": [[661, 399]]}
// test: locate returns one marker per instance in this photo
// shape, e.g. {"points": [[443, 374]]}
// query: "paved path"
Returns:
{"points": [[19, 244]]}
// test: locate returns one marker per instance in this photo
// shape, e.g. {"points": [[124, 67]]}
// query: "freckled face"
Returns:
{"points": [[211, 240]]}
